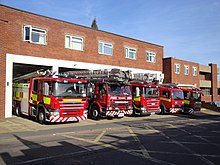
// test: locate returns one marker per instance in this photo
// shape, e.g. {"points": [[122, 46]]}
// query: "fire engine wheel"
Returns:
{"points": [[18, 110], [95, 113], [41, 116], [162, 110]]}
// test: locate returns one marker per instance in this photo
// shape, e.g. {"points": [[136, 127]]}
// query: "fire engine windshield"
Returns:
{"points": [[177, 95], [196, 96], [69, 89], [119, 90], [149, 92]]}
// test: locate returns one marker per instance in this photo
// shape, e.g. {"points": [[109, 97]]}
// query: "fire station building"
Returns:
{"points": [[30, 42], [190, 74]]}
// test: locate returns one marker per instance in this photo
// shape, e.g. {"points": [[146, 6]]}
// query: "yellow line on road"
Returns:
{"points": [[143, 149], [100, 136]]}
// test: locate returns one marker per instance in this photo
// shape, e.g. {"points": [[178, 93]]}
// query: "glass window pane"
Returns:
{"points": [[77, 46], [100, 47], [107, 50], [67, 42], [35, 37], [27, 33]]}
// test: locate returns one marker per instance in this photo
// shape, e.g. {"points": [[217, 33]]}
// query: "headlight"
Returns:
{"points": [[143, 108], [55, 113], [109, 108], [85, 111]]}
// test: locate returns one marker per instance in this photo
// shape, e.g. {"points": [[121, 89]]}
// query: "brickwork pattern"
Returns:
{"points": [[11, 40]]}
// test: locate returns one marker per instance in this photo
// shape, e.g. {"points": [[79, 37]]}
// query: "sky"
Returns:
{"points": [[188, 29]]}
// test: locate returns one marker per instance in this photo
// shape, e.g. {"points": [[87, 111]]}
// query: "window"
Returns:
{"points": [[194, 71], [151, 56], [105, 48], [186, 69], [177, 68], [130, 53], [35, 86], [74, 42], [166, 94], [206, 91], [47, 88], [34, 35]]}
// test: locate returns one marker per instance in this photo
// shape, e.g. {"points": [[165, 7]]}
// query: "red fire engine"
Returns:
{"points": [[50, 99], [171, 98], [110, 94], [145, 94], [192, 100]]}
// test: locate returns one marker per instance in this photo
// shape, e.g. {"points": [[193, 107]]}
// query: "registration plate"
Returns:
{"points": [[121, 115]]}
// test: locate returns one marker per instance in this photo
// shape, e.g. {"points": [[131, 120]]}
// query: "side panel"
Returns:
{"points": [[20, 93]]}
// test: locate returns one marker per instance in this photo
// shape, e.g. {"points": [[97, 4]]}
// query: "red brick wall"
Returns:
{"points": [[55, 42], [214, 82], [186, 79], [11, 40], [167, 70], [3, 49], [207, 98], [171, 77]]}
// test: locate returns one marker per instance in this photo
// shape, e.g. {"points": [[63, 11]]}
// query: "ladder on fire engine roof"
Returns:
{"points": [[112, 75], [38, 73], [182, 86]]}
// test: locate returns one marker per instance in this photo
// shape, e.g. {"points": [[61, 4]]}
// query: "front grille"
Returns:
{"points": [[71, 109], [178, 106], [152, 105], [121, 104]]}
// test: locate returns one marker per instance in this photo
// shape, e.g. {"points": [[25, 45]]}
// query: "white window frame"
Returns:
{"points": [[37, 31], [75, 42], [129, 50], [194, 70], [186, 70], [151, 56], [177, 68], [102, 46]]}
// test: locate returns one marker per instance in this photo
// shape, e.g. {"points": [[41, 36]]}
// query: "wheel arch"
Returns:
{"points": [[95, 103]]}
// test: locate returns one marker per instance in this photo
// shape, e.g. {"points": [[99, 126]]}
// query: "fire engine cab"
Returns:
{"points": [[145, 94], [50, 99], [171, 98], [110, 94], [192, 100]]}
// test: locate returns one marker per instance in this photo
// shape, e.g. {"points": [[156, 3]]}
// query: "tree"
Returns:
{"points": [[94, 24]]}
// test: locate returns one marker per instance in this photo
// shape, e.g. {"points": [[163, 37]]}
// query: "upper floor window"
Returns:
{"points": [[177, 68], [74, 42], [194, 69], [34, 35], [151, 56], [186, 69], [105, 48], [130, 53]]}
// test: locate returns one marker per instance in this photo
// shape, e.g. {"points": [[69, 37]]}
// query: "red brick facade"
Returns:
{"points": [[12, 22], [181, 77], [56, 31], [190, 79]]}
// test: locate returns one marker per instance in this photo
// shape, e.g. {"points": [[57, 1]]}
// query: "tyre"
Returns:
{"points": [[95, 113], [18, 110], [41, 116], [162, 110]]}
